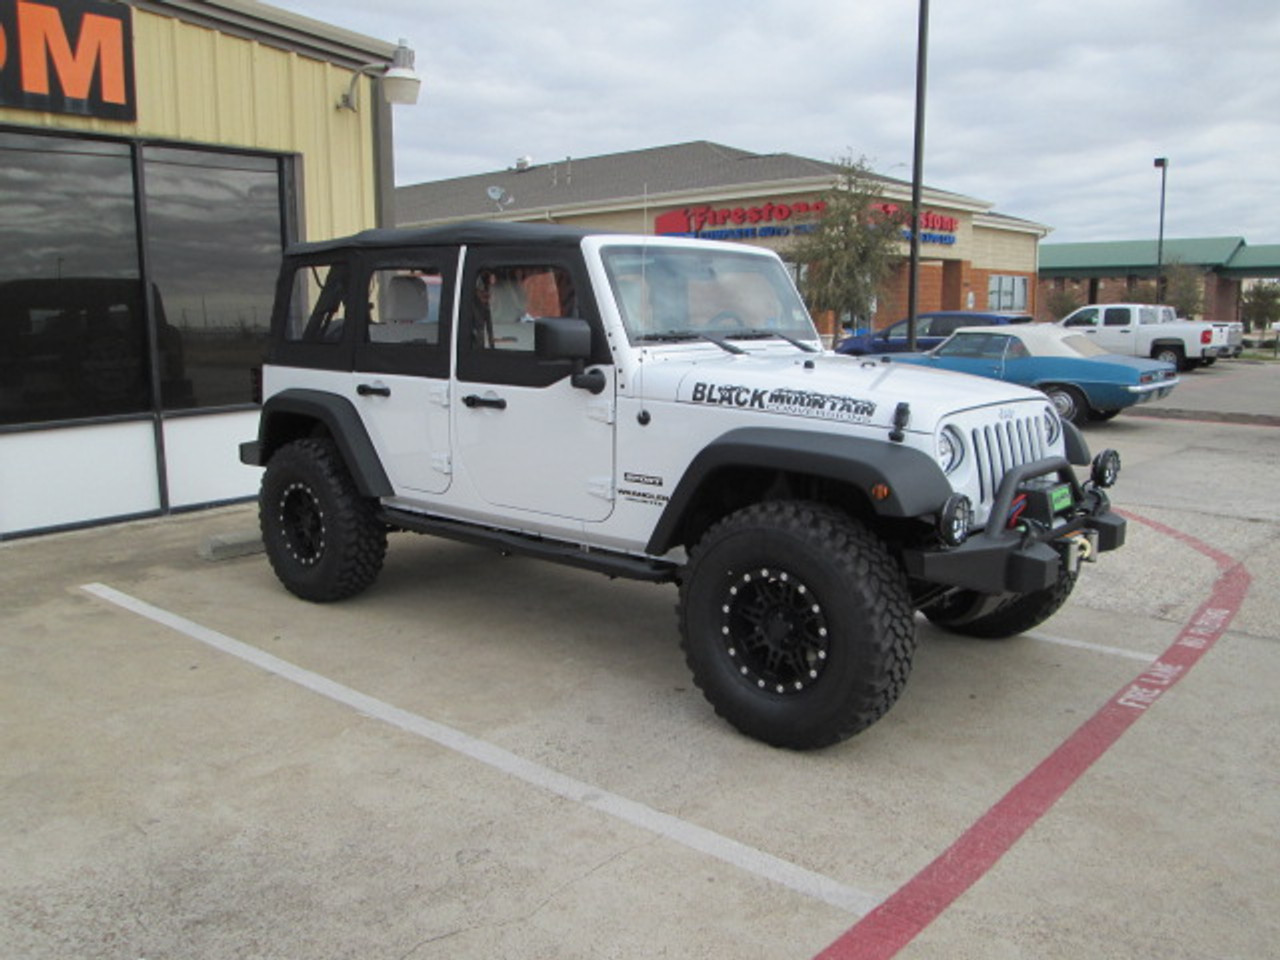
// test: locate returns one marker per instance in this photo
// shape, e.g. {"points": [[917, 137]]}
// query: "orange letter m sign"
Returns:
{"points": [[75, 56]]}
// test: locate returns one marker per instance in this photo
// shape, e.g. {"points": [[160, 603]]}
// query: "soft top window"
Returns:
{"points": [[317, 305]]}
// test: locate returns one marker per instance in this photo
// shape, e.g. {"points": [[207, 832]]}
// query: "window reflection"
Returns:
{"points": [[73, 337], [74, 340], [214, 232]]}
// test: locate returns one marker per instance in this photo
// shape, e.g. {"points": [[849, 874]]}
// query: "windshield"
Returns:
{"points": [[670, 294]]}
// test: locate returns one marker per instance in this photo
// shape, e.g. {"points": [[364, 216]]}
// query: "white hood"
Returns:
{"points": [[829, 387]]}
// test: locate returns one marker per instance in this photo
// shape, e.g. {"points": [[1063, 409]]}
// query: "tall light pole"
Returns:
{"points": [[1163, 164], [917, 173]]}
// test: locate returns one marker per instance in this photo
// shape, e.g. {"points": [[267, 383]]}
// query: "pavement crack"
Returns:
{"points": [[527, 915]]}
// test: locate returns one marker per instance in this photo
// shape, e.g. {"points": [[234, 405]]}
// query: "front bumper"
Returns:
{"points": [[1000, 560]]}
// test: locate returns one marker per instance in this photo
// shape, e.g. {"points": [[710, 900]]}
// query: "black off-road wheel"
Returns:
{"points": [[323, 539], [796, 624], [1017, 614]]}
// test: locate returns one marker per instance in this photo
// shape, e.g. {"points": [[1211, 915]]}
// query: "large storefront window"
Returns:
{"points": [[73, 339], [74, 335], [214, 236]]}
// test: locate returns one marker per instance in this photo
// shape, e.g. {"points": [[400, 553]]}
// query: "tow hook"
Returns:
{"points": [[1080, 547]]}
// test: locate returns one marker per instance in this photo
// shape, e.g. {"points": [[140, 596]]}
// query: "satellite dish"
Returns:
{"points": [[500, 196]]}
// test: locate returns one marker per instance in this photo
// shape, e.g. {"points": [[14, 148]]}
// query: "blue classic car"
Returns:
{"points": [[931, 330], [1083, 380]]}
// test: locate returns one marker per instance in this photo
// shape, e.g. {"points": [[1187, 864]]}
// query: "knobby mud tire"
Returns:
{"points": [[1018, 614], [796, 624], [322, 537]]}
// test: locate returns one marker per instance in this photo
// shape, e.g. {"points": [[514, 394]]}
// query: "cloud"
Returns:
{"points": [[1051, 111]]}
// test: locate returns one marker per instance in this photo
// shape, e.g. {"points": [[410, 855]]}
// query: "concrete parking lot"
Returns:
{"points": [[491, 757]]}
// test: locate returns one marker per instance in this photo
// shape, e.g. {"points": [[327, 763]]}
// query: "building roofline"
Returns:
{"points": [[581, 186], [274, 27]]}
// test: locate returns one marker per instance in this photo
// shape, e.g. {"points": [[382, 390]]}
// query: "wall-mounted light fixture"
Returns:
{"points": [[400, 83]]}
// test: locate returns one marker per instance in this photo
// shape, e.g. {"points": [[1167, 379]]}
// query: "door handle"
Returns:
{"points": [[473, 401], [373, 390]]}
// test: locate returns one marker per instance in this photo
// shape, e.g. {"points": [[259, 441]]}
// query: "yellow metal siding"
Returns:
{"points": [[202, 87]]}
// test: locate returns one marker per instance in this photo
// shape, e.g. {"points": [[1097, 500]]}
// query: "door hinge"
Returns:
{"points": [[439, 394], [601, 410], [601, 487], [442, 463]]}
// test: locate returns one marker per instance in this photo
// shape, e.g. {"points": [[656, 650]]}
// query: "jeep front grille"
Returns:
{"points": [[999, 447]]}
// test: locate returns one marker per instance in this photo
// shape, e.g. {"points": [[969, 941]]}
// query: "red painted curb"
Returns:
{"points": [[885, 931]]}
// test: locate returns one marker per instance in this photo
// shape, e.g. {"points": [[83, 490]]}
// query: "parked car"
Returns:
{"points": [[1150, 330], [931, 330], [1083, 380]]}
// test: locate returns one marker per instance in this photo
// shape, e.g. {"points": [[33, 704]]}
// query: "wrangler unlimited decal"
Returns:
{"points": [[802, 403]]}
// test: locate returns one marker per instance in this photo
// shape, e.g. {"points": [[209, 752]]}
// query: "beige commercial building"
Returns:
{"points": [[972, 257], [154, 160]]}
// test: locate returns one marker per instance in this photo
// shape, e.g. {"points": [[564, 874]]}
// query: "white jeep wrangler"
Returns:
{"points": [[662, 409]]}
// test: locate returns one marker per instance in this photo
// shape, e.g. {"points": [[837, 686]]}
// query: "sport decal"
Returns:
{"points": [[637, 494]]}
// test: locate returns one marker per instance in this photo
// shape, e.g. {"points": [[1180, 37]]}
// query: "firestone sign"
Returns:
{"points": [[775, 219], [934, 227], [770, 219], [67, 56]]}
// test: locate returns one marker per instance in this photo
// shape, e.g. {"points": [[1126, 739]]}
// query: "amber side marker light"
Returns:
{"points": [[880, 491]]}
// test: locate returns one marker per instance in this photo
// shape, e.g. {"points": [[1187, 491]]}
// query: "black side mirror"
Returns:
{"points": [[568, 338], [562, 338]]}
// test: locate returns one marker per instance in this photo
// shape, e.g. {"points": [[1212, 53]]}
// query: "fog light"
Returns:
{"points": [[955, 520], [1106, 468]]}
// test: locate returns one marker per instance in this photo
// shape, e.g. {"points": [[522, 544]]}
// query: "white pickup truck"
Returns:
{"points": [[1146, 330]]}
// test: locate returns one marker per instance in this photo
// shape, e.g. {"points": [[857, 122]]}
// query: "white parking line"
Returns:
{"points": [[749, 859], [1095, 647]]}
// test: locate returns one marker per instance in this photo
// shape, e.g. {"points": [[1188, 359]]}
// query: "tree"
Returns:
{"points": [[1181, 287], [1062, 302], [1184, 289], [853, 248], [1261, 306]]}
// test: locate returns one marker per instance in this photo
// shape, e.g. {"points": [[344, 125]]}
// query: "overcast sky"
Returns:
{"points": [[1054, 111]]}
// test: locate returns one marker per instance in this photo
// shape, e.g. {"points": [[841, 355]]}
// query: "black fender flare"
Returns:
{"points": [[914, 484], [284, 413], [1077, 447]]}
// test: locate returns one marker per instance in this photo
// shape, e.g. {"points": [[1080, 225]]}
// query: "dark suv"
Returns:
{"points": [[931, 330]]}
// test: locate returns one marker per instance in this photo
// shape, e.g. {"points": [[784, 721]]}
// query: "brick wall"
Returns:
{"points": [[1220, 295], [945, 286]]}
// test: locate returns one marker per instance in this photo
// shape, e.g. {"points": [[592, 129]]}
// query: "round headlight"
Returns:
{"points": [[950, 448], [1052, 424], [1106, 468], [955, 520]]}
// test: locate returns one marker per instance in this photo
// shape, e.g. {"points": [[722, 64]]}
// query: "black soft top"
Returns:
{"points": [[475, 233]]}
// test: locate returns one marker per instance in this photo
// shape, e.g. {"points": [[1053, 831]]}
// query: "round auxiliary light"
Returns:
{"points": [[1106, 468], [955, 520]]}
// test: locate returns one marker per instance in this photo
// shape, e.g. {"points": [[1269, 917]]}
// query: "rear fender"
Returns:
{"points": [[293, 414]]}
